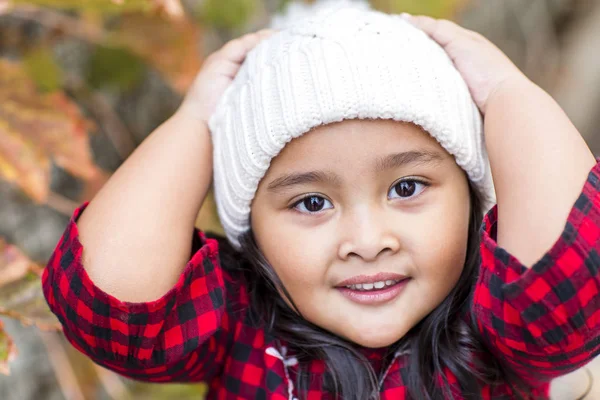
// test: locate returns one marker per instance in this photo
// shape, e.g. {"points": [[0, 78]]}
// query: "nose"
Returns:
{"points": [[367, 234]]}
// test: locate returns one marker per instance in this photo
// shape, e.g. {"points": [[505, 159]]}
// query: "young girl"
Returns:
{"points": [[351, 176]]}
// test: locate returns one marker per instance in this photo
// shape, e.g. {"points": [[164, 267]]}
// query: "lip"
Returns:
{"points": [[382, 276], [374, 297]]}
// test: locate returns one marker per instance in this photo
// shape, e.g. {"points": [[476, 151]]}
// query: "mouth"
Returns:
{"points": [[373, 290], [368, 282], [364, 287]]}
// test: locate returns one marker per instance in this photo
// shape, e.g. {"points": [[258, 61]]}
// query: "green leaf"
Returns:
{"points": [[43, 69], [227, 14], [434, 8], [115, 67], [161, 391], [102, 6]]}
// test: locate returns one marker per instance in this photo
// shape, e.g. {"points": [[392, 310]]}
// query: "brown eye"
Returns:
{"points": [[312, 204], [407, 188]]}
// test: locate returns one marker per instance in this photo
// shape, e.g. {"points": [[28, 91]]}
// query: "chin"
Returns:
{"points": [[377, 337]]}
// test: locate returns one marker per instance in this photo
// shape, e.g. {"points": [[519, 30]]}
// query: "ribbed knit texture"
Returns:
{"points": [[340, 61]]}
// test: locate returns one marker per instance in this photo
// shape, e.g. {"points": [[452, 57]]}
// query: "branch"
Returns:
{"points": [[65, 374], [61, 204], [116, 131], [55, 20]]}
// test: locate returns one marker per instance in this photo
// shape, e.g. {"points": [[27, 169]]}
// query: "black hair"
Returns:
{"points": [[444, 339]]}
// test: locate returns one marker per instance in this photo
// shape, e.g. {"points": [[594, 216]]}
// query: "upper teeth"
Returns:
{"points": [[374, 285]]}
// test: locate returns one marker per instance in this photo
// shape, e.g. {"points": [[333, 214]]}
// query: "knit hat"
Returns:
{"points": [[333, 61]]}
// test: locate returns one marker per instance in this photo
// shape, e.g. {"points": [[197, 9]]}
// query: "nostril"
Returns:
{"points": [[385, 250], [354, 254]]}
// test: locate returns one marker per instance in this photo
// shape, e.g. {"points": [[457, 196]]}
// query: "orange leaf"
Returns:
{"points": [[172, 8], [8, 351], [35, 128], [22, 162], [172, 47], [21, 294], [94, 184]]}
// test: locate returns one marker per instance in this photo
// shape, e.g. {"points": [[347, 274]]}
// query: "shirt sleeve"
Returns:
{"points": [[183, 336], [544, 321]]}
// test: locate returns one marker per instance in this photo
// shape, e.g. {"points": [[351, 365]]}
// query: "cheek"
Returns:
{"points": [[298, 255], [441, 253]]}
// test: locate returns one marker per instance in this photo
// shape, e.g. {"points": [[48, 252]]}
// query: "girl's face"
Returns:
{"points": [[355, 199]]}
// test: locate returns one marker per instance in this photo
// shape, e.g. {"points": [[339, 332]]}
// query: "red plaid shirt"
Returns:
{"points": [[543, 321]]}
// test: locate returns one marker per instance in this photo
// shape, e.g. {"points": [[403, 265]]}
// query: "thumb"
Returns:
{"points": [[440, 30]]}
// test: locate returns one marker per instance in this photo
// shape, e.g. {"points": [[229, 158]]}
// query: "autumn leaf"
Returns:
{"points": [[172, 8], [21, 295], [170, 47], [8, 351], [36, 128]]}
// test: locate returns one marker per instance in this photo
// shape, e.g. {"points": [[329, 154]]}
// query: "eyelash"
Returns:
{"points": [[416, 180], [294, 205]]}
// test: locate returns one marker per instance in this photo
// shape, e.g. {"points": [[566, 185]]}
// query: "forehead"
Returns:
{"points": [[352, 143]]}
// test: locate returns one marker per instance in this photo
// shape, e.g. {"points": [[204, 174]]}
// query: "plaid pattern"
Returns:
{"points": [[543, 322]]}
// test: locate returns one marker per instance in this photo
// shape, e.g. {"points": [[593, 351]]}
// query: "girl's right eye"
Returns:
{"points": [[312, 204]]}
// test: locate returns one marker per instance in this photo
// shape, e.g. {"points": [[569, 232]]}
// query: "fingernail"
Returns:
{"points": [[405, 16]]}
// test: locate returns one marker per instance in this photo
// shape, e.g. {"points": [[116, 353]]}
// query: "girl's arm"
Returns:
{"points": [[539, 164], [539, 160], [536, 301], [136, 287], [136, 231]]}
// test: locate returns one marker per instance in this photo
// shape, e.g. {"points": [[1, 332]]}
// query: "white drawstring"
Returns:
{"points": [[293, 361], [287, 362], [396, 355]]}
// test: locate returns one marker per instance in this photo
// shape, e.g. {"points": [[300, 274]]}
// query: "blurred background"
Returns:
{"points": [[82, 83]]}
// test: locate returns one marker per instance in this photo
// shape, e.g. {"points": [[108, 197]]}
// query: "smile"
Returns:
{"points": [[374, 285], [373, 293]]}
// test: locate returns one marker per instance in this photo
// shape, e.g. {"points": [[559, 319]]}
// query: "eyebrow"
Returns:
{"points": [[415, 157], [293, 179], [396, 160]]}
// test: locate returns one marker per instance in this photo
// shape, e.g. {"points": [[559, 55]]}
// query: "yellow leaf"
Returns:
{"points": [[35, 128], [22, 162], [8, 351]]}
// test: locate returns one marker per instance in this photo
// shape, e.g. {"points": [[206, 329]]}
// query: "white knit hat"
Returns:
{"points": [[333, 61]]}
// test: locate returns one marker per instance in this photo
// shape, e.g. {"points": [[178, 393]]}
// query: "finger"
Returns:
{"points": [[236, 50], [440, 30], [264, 33]]}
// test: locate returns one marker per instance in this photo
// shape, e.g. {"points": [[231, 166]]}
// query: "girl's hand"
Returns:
{"points": [[485, 68], [216, 74]]}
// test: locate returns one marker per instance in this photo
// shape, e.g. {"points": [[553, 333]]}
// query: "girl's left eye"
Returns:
{"points": [[406, 189]]}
